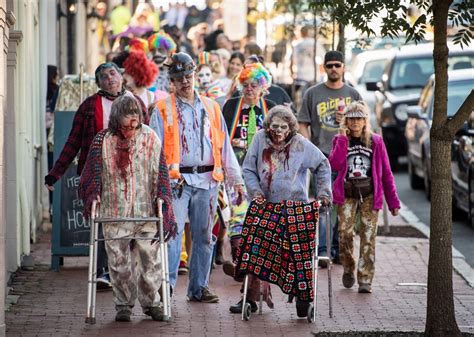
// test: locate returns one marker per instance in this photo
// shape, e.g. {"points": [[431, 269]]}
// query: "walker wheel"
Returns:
{"points": [[247, 311], [310, 316]]}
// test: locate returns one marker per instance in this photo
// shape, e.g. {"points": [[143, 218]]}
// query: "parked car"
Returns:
{"points": [[404, 76], [368, 66], [417, 131]]}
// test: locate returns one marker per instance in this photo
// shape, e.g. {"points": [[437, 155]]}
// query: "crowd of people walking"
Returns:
{"points": [[204, 128]]}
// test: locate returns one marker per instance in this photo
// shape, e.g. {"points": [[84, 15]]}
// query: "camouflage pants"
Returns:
{"points": [[368, 231], [135, 268]]}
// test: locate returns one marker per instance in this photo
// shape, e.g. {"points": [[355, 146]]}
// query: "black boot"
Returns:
{"points": [[237, 308]]}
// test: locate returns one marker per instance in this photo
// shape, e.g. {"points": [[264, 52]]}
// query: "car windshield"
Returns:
{"points": [[373, 71], [414, 72], [457, 93]]}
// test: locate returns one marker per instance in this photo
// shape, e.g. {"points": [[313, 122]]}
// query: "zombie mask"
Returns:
{"points": [[204, 77], [278, 131], [159, 56]]}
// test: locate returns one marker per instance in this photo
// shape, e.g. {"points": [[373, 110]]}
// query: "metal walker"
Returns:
{"points": [[311, 314], [92, 275]]}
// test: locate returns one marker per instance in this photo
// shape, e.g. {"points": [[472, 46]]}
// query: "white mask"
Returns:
{"points": [[204, 77]]}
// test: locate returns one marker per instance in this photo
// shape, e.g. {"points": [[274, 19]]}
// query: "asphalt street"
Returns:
{"points": [[463, 233]]}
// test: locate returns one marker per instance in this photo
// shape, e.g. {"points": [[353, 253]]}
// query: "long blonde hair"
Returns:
{"points": [[361, 106]]}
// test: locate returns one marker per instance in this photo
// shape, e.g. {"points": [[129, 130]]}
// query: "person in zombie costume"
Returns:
{"points": [[275, 168], [364, 178], [91, 117], [206, 86], [199, 156], [244, 117], [161, 46], [139, 74], [122, 173]]}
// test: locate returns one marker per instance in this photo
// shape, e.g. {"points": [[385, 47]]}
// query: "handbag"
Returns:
{"points": [[358, 188]]}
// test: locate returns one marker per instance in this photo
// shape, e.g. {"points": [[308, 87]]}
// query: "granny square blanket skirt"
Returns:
{"points": [[278, 240]]}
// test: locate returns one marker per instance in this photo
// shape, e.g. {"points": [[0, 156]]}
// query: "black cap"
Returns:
{"points": [[333, 55], [182, 64]]}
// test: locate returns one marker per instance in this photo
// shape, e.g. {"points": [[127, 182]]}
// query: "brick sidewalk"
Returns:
{"points": [[54, 303]]}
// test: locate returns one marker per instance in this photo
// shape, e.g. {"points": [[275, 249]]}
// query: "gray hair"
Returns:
{"points": [[123, 106], [284, 113]]}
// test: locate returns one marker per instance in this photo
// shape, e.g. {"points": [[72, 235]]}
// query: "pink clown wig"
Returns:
{"points": [[162, 40], [255, 72]]}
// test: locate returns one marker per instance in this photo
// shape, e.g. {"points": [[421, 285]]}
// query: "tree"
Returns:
{"points": [[440, 315]]}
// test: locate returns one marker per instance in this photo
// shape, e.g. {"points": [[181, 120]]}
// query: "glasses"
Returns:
{"points": [[188, 78], [333, 65], [130, 127], [282, 127], [250, 85]]}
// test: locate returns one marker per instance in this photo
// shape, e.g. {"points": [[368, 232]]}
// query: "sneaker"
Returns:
{"points": [[123, 315], [183, 268], [365, 288], [156, 313], [206, 297], [348, 280], [103, 282], [237, 308]]}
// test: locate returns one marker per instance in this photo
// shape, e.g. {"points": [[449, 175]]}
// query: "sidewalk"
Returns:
{"points": [[54, 303]]}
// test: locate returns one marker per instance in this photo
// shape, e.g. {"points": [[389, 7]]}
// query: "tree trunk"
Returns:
{"points": [[440, 315]]}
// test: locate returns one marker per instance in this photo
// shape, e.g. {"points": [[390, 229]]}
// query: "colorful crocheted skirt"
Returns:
{"points": [[278, 240]]}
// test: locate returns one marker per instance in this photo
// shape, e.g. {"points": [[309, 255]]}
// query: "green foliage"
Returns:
{"points": [[360, 13], [461, 15]]}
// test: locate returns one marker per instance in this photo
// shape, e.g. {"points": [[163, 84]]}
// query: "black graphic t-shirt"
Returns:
{"points": [[359, 160]]}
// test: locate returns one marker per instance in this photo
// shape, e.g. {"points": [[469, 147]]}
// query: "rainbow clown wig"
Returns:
{"points": [[138, 45], [255, 72], [203, 57], [142, 70], [163, 41]]}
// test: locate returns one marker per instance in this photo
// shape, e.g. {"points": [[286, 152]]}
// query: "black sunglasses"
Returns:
{"points": [[333, 65]]}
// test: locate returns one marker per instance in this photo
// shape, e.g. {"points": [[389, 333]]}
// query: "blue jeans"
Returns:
{"points": [[334, 235], [200, 206]]}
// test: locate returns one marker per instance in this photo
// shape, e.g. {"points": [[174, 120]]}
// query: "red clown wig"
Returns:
{"points": [[142, 70]]}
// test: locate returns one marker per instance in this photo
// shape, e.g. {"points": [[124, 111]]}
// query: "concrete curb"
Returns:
{"points": [[459, 261]]}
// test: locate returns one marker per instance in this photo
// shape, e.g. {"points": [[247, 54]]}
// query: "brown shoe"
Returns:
{"points": [[348, 280], [219, 259]]}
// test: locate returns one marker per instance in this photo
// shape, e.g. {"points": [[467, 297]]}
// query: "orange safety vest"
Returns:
{"points": [[171, 145]]}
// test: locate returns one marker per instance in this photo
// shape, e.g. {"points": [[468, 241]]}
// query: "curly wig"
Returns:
{"points": [[142, 70], [255, 72], [137, 44], [162, 40]]}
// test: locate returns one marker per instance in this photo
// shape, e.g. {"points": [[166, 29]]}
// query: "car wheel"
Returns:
{"points": [[426, 179], [416, 182]]}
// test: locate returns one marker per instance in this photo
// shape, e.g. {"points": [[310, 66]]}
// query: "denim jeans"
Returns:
{"points": [[334, 234], [200, 206]]}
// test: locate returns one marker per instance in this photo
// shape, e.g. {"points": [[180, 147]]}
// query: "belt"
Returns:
{"points": [[196, 169]]}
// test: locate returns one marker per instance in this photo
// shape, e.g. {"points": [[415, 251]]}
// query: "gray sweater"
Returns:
{"points": [[282, 175]]}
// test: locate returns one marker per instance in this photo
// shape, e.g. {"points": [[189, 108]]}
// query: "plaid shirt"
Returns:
{"points": [[81, 136]]}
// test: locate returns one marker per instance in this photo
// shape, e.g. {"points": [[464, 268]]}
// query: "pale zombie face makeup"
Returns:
{"points": [[278, 130], [110, 80], [159, 56], [204, 77]]}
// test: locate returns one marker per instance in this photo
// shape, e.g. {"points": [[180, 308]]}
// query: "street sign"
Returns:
{"points": [[70, 228]]}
